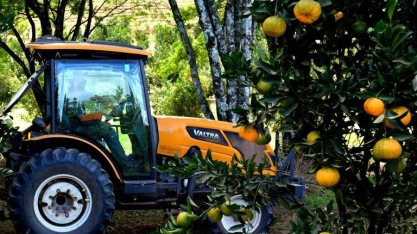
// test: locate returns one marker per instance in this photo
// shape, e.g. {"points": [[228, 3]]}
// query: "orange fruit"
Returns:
{"points": [[249, 132], [338, 16], [263, 139], [312, 136], [359, 28], [225, 209], [274, 26], [307, 11], [264, 87], [248, 214], [399, 111], [183, 220], [374, 106], [327, 177], [387, 148], [215, 214]]}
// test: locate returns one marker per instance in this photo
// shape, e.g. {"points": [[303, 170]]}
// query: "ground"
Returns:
{"points": [[147, 221]]}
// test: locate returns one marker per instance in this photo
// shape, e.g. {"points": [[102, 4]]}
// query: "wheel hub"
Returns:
{"points": [[230, 221], [62, 203]]}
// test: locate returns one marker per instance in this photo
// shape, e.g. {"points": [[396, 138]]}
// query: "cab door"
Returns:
{"points": [[106, 100]]}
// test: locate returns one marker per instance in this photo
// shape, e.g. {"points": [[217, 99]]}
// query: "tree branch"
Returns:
{"points": [[31, 22], [191, 60], [90, 18], [15, 57], [77, 25], [217, 26]]}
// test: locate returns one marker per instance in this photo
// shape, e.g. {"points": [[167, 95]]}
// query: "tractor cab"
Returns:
{"points": [[96, 98], [105, 100]]}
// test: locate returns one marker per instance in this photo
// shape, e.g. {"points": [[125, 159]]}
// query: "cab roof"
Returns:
{"points": [[50, 43]]}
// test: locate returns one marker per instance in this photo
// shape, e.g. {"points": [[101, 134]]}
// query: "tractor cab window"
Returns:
{"points": [[104, 100]]}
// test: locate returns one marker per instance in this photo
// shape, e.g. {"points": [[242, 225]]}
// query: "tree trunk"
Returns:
{"points": [[214, 60], [246, 38], [191, 60]]}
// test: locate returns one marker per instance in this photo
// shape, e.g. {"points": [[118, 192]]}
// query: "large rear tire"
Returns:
{"points": [[61, 191], [260, 222]]}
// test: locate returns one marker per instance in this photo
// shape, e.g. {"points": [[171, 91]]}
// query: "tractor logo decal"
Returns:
{"points": [[58, 55], [211, 135], [207, 134]]}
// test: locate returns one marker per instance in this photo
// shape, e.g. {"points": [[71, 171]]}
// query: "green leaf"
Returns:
{"points": [[6, 172], [271, 99], [337, 148], [160, 168], [324, 3], [402, 137], [404, 60], [251, 186], [329, 207], [391, 8], [190, 160], [380, 27], [415, 83], [379, 119], [204, 177], [284, 203], [266, 67], [236, 228], [291, 105], [399, 39]]}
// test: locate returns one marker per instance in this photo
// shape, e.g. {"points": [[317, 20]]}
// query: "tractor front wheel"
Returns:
{"points": [[61, 191]]}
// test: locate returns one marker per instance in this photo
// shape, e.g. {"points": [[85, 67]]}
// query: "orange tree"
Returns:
{"points": [[333, 56]]}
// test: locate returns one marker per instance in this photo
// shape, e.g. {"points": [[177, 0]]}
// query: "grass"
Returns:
{"points": [[318, 197]]}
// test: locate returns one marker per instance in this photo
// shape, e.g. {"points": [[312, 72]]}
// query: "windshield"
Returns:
{"points": [[99, 97]]}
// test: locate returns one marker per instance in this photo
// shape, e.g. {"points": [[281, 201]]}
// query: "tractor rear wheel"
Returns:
{"points": [[259, 223], [61, 191]]}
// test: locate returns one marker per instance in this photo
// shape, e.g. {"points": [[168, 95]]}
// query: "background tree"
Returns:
{"points": [[50, 18], [224, 34]]}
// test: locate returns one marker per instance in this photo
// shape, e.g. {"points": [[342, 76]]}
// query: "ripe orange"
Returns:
{"points": [[359, 28], [399, 111], [307, 11], [387, 148], [249, 132], [327, 177], [264, 87], [183, 220], [374, 107], [274, 26], [312, 136]]}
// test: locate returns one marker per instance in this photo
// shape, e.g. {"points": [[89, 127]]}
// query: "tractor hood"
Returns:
{"points": [[180, 134]]}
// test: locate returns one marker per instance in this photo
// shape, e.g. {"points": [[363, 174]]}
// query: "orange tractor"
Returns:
{"points": [[95, 146]]}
